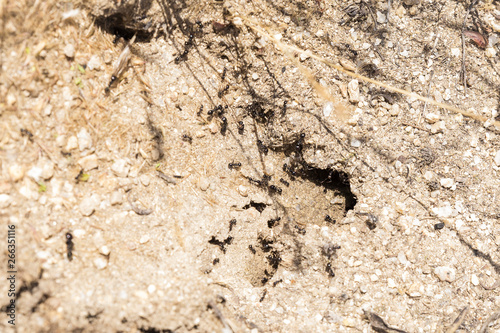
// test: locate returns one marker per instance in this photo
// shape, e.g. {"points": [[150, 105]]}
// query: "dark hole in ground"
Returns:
{"points": [[116, 25], [331, 180], [154, 330]]}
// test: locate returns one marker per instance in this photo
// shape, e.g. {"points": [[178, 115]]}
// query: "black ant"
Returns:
{"points": [[329, 270], [222, 92], [187, 138], [255, 181], [275, 189], [224, 74], [263, 295], [275, 283], [272, 222], [200, 111], [231, 224], [25, 132], [284, 182], [329, 219], [216, 261], [262, 148], [300, 143], [223, 127], [250, 247], [241, 127], [69, 245], [284, 107], [300, 230], [234, 165]]}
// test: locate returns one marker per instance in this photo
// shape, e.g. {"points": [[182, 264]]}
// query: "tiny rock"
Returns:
{"points": [[255, 76], [447, 182], [120, 168], [497, 158], [145, 180], [327, 109], [35, 173], [213, 128], [445, 273], [100, 263], [381, 18], [438, 127], [355, 143], [47, 170], [204, 183], [94, 63], [394, 111], [4, 200], [243, 190], [116, 198], [88, 162], [71, 144], [347, 64], [69, 50], [474, 279], [353, 89], [16, 172], [431, 118], [303, 56], [104, 250], [84, 139], [89, 205]]}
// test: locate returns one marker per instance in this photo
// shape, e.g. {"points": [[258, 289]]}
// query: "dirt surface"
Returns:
{"points": [[219, 181]]}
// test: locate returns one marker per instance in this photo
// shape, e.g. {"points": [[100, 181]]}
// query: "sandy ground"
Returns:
{"points": [[225, 182]]}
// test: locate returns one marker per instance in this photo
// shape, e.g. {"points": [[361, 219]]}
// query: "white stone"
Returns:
{"points": [[94, 63], [391, 283], [327, 109], [455, 51], [394, 111], [444, 211], [84, 139], [144, 239], [16, 172], [69, 50], [490, 52], [104, 250], [145, 180], [447, 182], [243, 190], [35, 173], [88, 162], [355, 143], [431, 118], [89, 204], [116, 198], [353, 90], [47, 170], [4, 200], [381, 18], [203, 183], [445, 273], [121, 168], [497, 158], [100, 263], [255, 76], [474, 279], [72, 143], [303, 56], [237, 21]]}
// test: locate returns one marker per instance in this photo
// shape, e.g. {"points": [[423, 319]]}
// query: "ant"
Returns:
{"points": [[284, 182], [300, 143], [262, 148], [329, 219], [250, 247], [275, 283], [263, 295], [200, 111], [241, 127], [25, 132], [329, 270], [233, 165], [255, 181], [284, 108], [275, 189], [231, 224], [272, 222], [69, 245], [223, 128], [187, 138], [222, 92]]}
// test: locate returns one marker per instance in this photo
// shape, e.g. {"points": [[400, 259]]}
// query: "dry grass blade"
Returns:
{"points": [[378, 324], [289, 48], [492, 318], [458, 321]]}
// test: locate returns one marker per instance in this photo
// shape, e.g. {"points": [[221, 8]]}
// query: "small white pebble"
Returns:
{"points": [[69, 50], [474, 279], [203, 183], [121, 168], [84, 139], [431, 118], [144, 239], [497, 158], [151, 288], [445, 273], [243, 190], [16, 172], [104, 250], [255, 76], [391, 283], [447, 182], [100, 263]]}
